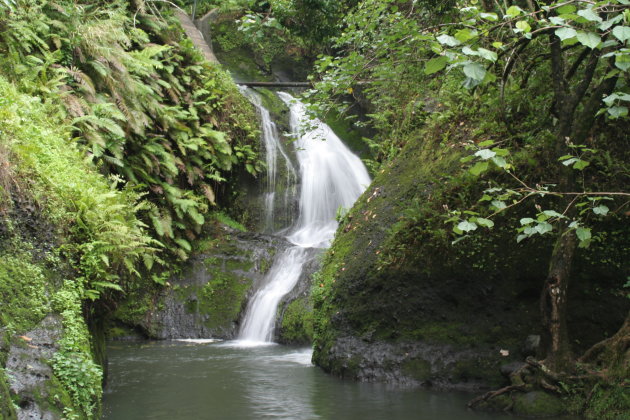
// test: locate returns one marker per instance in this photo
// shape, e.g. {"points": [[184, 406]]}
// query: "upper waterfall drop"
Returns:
{"points": [[276, 160], [331, 176]]}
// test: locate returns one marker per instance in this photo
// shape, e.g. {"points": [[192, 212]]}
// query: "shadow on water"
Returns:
{"points": [[235, 380]]}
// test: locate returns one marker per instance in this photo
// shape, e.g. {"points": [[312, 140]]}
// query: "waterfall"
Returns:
{"points": [[331, 177], [273, 151]]}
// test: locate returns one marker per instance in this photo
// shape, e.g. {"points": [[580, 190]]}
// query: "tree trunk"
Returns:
{"points": [[612, 354], [553, 303]]}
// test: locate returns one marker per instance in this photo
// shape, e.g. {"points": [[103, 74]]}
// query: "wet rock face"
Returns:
{"points": [[29, 370], [410, 363], [207, 299]]}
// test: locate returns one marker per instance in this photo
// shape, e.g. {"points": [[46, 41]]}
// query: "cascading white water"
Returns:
{"points": [[273, 151], [331, 177]]}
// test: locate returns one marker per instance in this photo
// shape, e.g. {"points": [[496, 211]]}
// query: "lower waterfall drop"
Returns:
{"points": [[331, 177]]}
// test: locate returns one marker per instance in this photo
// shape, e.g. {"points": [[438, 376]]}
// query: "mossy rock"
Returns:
{"points": [[222, 298], [297, 322], [418, 369], [393, 275], [266, 61], [538, 404], [23, 291], [609, 402], [7, 411], [206, 298]]}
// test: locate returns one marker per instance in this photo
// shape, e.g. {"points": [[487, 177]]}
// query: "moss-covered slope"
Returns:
{"points": [[396, 301], [116, 139]]}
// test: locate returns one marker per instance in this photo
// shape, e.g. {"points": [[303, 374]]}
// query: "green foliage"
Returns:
{"points": [[73, 364], [608, 402], [228, 221], [7, 409], [143, 102], [116, 136], [507, 65], [106, 239], [22, 291]]}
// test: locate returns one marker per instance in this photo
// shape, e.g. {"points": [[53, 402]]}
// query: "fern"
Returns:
{"points": [[156, 115]]}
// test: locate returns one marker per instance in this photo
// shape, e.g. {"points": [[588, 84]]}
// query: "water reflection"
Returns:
{"points": [[228, 380]]}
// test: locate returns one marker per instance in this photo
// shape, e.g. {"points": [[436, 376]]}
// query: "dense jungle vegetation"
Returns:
{"points": [[532, 99], [120, 146], [117, 144]]}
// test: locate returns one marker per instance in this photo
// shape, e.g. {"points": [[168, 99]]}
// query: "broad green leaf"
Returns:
{"points": [[570, 161], [583, 233], [566, 9], [523, 26], [622, 33], [466, 226], [556, 20], [475, 71], [485, 143], [499, 161], [469, 51], [589, 39], [526, 221], [479, 168], [487, 54], [499, 205], [618, 111], [610, 99], [609, 23], [513, 11], [552, 213], [489, 16], [448, 40], [466, 34], [565, 33], [622, 61], [580, 164], [602, 210], [484, 222], [501, 152], [589, 15], [485, 154], [543, 227], [435, 65]]}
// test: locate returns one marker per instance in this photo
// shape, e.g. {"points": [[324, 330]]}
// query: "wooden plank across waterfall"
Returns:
{"points": [[275, 84]]}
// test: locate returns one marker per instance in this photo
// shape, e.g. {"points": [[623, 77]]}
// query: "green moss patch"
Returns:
{"points": [[222, 298], [7, 410], [297, 322], [538, 404], [417, 369], [23, 292]]}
